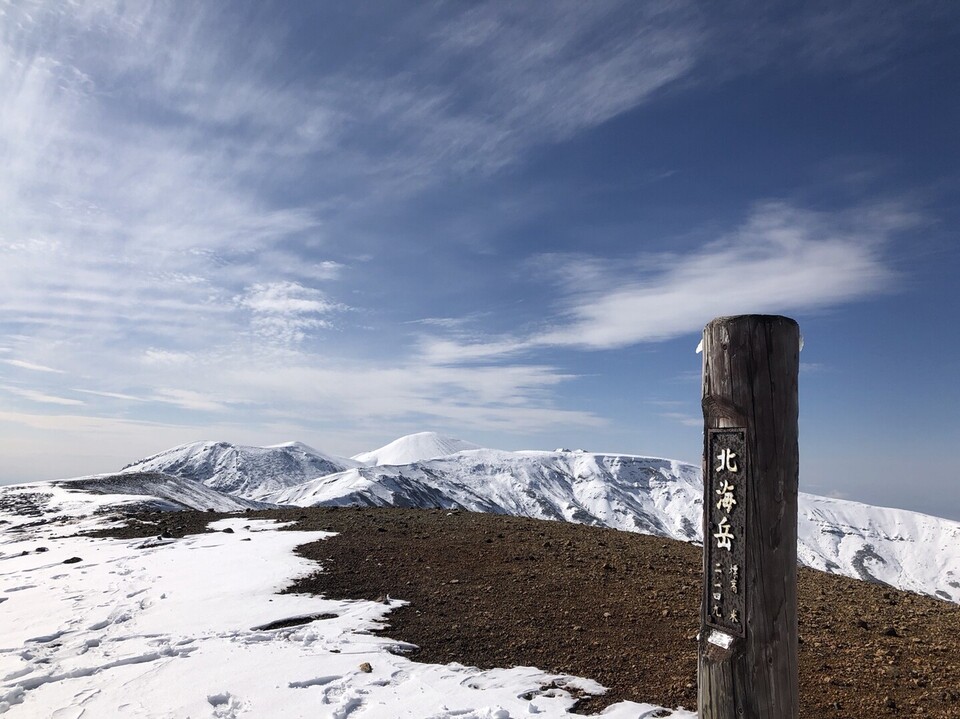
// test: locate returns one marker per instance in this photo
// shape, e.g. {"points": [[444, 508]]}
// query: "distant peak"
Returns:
{"points": [[415, 447], [292, 445]]}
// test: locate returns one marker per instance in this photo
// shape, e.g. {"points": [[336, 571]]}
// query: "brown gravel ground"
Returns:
{"points": [[620, 608]]}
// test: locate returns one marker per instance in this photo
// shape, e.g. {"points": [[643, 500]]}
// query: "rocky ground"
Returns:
{"points": [[620, 608]]}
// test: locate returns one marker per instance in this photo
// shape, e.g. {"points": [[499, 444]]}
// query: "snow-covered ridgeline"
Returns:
{"points": [[642, 494], [181, 628]]}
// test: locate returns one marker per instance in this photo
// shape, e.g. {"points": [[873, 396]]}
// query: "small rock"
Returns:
{"points": [[890, 632], [228, 530], [72, 560], [41, 549], [366, 668]]}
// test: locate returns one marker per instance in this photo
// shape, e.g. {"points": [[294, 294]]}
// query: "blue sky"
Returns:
{"points": [[507, 222]]}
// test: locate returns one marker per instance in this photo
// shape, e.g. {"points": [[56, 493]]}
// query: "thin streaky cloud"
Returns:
{"points": [[189, 399], [41, 397], [22, 364], [111, 395]]}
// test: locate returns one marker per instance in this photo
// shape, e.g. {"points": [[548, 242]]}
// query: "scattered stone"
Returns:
{"points": [[72, 560], [366, 668], [41, 549], [228, 530]]}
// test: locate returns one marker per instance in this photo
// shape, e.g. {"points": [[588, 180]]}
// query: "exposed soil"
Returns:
{"points": [[620, 608]]}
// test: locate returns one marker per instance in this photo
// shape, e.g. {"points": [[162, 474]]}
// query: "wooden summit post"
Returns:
{"points": [[748, 616]]}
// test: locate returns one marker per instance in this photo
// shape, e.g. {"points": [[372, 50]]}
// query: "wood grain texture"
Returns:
{"points": [[750, 373]]}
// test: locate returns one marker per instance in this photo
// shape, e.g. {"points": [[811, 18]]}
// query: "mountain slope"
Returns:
{"points": [[160, 491], [907, 550], [248, 472], [415, 448]]}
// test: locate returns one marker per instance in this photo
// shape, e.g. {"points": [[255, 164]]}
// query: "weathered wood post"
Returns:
{"points": [[748, 616]]}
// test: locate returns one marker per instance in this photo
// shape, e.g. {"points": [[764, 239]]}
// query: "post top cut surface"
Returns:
{"points": [[757, 319]]}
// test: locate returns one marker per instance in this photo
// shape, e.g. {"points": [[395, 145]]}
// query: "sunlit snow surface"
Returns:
{"points": [[169, 629]]}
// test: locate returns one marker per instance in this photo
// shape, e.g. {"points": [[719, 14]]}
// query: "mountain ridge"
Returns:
{"points": [[662, 497]]}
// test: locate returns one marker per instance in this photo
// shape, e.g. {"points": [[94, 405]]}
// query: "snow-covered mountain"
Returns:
{"points": [[415, 448], [638, 494], [247, 472]]}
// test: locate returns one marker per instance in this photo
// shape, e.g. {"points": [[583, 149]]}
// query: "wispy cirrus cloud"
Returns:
{"points": [[40, 397], [22, 364], [108, 207], [156, 223]]}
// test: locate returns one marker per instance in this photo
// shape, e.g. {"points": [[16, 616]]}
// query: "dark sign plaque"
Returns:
{"points": [[726, 487]]}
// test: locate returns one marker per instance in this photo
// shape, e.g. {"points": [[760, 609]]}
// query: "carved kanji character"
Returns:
{"points": [[724, 537], [726, 461]]}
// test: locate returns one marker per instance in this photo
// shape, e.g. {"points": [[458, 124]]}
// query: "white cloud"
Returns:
{"points": [[286, 298], [156, 356], [116, 225], [328, 270], [110, 395], [283, 312], [32, 366], [511, 397], [782, 259], [41, 397], [189, 399]]}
